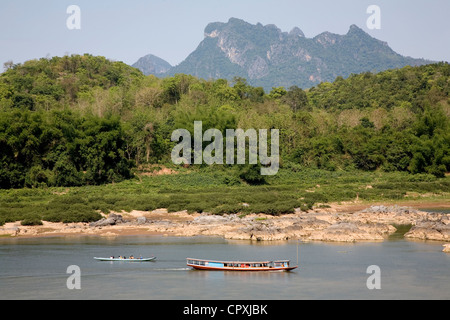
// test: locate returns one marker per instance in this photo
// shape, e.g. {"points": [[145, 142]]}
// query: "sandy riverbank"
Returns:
{"points": [[344, 222]]}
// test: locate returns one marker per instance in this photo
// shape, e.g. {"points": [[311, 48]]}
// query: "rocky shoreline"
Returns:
{"points": [[375, 223]]}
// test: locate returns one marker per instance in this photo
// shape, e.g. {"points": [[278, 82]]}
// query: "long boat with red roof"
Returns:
{"points": [[276, 265]]}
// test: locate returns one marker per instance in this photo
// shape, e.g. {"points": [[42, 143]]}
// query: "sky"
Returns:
{"points": [[171, 29]]}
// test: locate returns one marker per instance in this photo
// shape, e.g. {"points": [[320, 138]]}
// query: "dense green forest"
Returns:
{"points": [[84, 120]]}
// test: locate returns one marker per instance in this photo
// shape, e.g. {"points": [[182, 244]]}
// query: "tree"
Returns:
{"points": [[251, 174], [240, 86], [366, 123], [296, 98], [23, 101], [8, 65], [171, 90], [277, 92], [418, 163], [148, 138]]}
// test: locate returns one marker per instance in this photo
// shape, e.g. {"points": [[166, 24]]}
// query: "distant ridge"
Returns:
{"points": [[268, 57], [151, 64]]}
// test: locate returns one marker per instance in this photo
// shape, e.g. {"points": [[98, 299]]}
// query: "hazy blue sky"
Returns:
{"points": [[171, 29]]}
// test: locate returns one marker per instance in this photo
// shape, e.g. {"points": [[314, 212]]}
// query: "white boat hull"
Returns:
{"points": [[126, 260]]}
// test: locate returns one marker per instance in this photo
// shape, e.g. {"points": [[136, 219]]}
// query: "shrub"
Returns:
{"points": [[252, 174], [31, 222]]}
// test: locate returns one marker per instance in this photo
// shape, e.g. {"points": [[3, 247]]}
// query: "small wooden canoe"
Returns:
{"points": [[126, 260], [277, 265]]}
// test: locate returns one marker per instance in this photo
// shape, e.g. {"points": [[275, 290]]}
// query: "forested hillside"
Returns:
{"points": [[82, 120]]}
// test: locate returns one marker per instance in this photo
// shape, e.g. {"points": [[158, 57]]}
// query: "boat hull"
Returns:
{"points": [[244, 269], [126, 260]]}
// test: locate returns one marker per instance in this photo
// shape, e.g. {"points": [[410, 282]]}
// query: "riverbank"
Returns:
{"points": [[215, 191], [343, 222]]}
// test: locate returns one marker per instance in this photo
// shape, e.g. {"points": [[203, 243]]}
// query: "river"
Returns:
{"points": [[36, 268]]}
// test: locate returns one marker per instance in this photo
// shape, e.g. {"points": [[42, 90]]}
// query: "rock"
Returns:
{"points": [[258, 232], [11, 231], [205, 219], [446, 248], [161, 211], [389, 215], [435, 229], [141, 220], [297, 32], [350, 232], [112, 219], [311, 226], [163, 223], [305, 227], [374, 223]]}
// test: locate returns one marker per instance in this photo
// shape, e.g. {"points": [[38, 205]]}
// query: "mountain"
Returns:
{"points": [[151, 64], [268, 57]]}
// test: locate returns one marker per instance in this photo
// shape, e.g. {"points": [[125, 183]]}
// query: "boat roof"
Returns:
{"points": [[237, 261]]}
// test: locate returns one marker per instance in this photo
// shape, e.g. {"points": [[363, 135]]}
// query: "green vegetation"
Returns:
{"points": [[60, 148], [206, 190], [75, 132]]}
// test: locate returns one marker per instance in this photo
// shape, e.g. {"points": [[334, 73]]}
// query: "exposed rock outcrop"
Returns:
{"points": [[10, 231], [389, 215], [372, 224], [434, 227], [268, 57], [112, 219], [350, 232]]}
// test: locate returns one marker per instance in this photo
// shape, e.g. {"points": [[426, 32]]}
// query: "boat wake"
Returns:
{"points": [[171, 269]]}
